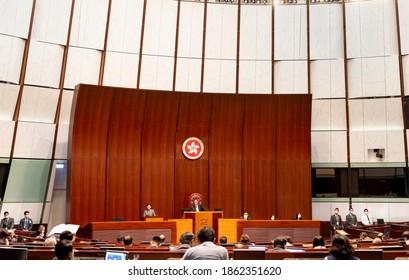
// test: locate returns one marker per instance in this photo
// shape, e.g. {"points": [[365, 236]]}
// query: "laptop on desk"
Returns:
{"points": [[116, 256]]}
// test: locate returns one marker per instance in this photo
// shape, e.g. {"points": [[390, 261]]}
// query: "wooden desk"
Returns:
{"points": [[140, 231], [266, 230]]}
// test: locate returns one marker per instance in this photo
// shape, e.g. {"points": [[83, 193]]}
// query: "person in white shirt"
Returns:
{"points": [[366, 221]]}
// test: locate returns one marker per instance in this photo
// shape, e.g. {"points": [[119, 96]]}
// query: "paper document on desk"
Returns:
{"points": [[62, 227]]}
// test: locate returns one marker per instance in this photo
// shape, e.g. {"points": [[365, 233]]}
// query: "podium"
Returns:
{"points": [[204, 218]]}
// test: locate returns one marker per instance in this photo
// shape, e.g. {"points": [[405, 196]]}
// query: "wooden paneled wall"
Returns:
{"points": [[126, 150]]}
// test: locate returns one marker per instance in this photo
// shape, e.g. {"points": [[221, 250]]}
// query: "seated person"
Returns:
{"points": [[162, 238], [289, 241], [364, 237], [40, 233], [128, 240], [318, 242], [341, 249], [405, 236], [149, 212], [155, 242], [298, 216], [273, 217], [245, 240], [120, 239], [223, 240], [245, 216], [186, 241], [66, 234], [279, 243], [206, 250], [64, 250], [196, 206], [5, 236], [50, 241]]}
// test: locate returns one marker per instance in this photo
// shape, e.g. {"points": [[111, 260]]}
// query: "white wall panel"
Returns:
{"points": [[61, 147], [11, 58], [394, 115], [15, 17], [404, 25], [190, 30], [89, 24], [290, 77], [16, 211], [290, 36], [160, 27], [8, 100], [121, 69], [356, 115], [320, 146], [6, 139], [357, 149], [371, 77], [44, 64], [255, 32], [327, 79], [219, 76], [375, 114], [82, 67], [328, 115], [395, 149], [326, 34], [38, 104], [405, 72], [188, 74], [391, 141], [157, 72], [255, 77], [125, 25], [221, 32], [51, 21], [65, 108], [34, 140], [376, 32], [329, 146]]}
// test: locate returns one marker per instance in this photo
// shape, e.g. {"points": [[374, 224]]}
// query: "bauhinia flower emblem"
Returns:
{"points": [[193, 148]]}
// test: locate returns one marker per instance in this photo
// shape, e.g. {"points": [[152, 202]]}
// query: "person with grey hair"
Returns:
{"points": [[185, 242], [207, 250]]}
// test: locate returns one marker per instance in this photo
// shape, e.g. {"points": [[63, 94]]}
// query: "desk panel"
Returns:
{"points": [[264, 230]]}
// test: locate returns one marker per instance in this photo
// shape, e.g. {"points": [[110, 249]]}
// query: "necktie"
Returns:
{"points": [[26, 224], [369, 221]]}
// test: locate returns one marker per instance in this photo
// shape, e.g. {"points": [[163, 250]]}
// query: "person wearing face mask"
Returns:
{"points": [[351, 219], [298, 216], [245, 216], [336, 220], [7, 222]]}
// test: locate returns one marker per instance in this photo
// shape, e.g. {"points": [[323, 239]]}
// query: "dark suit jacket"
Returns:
{"points": [[333, 222], [7, 223], [201, 208], [29, 225], [351, 220]]}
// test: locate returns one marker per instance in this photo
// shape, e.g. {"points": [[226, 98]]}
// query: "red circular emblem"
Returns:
{"points": [[193, 148]]}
